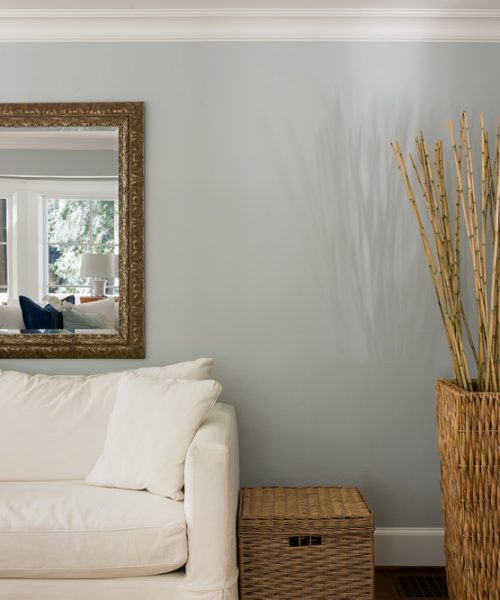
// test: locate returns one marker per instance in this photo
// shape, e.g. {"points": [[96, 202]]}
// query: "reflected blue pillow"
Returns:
{"points": [[36, 317]]}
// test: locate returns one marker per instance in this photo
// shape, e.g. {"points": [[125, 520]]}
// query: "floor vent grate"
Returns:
{"points": [[421, 586]]}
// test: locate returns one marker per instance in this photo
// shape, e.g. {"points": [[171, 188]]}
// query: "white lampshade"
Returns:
{"points": [[116, 263], [99, 266]]}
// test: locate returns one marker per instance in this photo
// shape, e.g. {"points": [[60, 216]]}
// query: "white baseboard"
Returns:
{"points": [[409, 547]]}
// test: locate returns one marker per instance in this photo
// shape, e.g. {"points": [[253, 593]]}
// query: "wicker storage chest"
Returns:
{"points": [[305, 543]]}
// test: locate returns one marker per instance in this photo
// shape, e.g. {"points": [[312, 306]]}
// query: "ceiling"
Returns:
{"points": [[269, 4]]}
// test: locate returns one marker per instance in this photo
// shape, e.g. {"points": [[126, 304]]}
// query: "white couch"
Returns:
{"points": [[11, 317], [61, 539]]}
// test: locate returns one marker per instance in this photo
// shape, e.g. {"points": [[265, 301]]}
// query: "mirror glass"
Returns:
{"points": [[59, 230]]}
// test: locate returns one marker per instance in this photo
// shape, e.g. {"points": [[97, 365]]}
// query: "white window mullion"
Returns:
{"points": [[91, 227], [5, 251], [12, 263], [29, 242]]}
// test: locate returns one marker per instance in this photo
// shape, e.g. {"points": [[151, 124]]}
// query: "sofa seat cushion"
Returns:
{"points": [[67, 529]]}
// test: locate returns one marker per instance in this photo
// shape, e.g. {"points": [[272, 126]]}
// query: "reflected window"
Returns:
{"points": [[76, 227]]}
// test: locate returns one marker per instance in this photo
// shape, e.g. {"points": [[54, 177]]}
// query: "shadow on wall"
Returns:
{"points": [[371, 270]]}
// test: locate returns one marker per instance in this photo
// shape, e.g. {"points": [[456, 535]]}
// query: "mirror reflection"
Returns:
{"points": [[59, 230]]}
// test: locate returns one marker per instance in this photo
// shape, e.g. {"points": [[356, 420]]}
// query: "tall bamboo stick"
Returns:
{"points": [[459, 366], [481, 220]]}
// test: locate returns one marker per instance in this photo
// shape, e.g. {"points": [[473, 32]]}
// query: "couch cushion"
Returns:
{"points": [[64, 529], [11, 317], [77, 319], [149, 433], [105, 308], [53, 427]]}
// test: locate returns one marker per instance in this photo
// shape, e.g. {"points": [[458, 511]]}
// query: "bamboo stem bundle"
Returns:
{"points": [[442, 240]]}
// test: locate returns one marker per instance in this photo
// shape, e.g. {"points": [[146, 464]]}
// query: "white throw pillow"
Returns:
{"points": [[105, 308], [66, 416], [11, 317], [151, 427]]}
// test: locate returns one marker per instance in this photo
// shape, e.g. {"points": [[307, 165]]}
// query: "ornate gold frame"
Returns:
{"points": [[129, 118]]}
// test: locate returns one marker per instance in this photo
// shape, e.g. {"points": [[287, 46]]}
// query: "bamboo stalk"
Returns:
{"points": [[490, 193], [474, 242], [494, 300], [458, 299], [450, 254], [496, 165], [495, 191], [460, 365], [483, 203], [460, 201], [469, 334], [424, 180], [469, 232], [481, 219], [494, 291]]}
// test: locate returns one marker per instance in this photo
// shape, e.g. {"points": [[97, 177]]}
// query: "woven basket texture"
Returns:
{"points": [[305, 543], [469, 450]]}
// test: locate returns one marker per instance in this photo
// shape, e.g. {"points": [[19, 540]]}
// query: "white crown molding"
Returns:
{"points": [[58, 140], [409, 547], [182, 25]]}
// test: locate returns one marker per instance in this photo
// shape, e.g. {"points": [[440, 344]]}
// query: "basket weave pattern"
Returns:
{"points": [[469, 450], [298, 543]]}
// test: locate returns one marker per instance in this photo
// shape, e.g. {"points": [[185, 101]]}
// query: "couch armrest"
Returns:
{"points": [[211, 488]]}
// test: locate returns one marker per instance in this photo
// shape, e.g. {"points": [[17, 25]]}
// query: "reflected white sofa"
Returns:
{"points": [[62, 539], [11, 318]]}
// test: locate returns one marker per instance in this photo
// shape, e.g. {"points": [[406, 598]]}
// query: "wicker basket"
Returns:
{"points": [[469, 449], [305, 543]]}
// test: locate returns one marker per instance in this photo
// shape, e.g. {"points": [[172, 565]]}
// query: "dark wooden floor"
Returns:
{"points": [[388, 583]]}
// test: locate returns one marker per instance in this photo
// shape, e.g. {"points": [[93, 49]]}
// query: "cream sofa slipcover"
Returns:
{"points": [[61, 539]]}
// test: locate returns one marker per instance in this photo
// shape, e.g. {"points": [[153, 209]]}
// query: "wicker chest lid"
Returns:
{"points": [[304, 503]]}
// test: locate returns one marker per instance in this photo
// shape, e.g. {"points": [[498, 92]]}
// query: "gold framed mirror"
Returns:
{"points": [[72, 230]]}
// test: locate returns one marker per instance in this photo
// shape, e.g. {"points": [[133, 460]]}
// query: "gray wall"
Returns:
{"points": [[279, 241], [74, 163]]}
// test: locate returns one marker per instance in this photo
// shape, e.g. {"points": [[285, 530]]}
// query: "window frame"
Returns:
{"points": [[25, 194]]}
